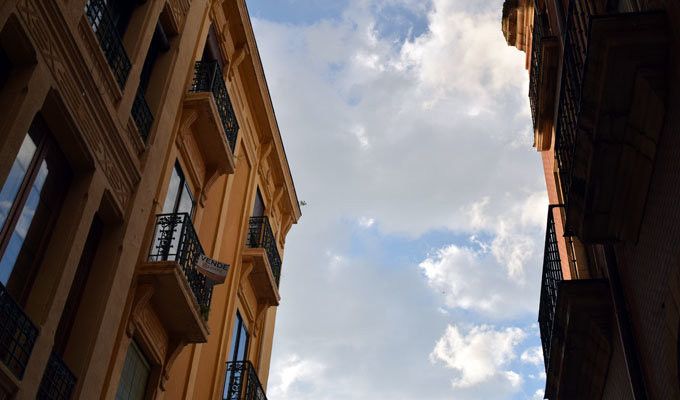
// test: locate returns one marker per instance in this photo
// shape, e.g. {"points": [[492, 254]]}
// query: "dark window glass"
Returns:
{"points": [[30, 200], [238, 351], [134, 376], [179, 198], [75, 295], [211, 51], [121, 13], [258, 207], [5, 68], [159, 44]]}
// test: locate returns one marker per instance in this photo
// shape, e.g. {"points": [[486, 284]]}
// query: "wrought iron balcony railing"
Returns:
{"points": [[175, 240], [536, 59], [574, 58], [242, 382], [260, 235], [142, 115], [57, 382], [208, 78], [552, 276], [17, 334], [103, 25]]}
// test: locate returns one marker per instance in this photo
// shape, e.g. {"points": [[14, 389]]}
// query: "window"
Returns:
{"points": [[179, 198], [159, 44], [135, 375], [5, 67], [258, 208], [238, 352], [75, 295], [30, 200]]}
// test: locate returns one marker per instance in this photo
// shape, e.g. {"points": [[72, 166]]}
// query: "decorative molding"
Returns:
{"points": [[76, 84]]}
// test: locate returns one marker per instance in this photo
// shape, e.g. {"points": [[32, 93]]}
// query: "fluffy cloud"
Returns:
{"points": [[294, 371], [484, 273], [479, 355], [533, 355]]}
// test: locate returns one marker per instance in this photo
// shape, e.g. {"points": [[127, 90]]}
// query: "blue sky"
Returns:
{"points": [[414, 272]]}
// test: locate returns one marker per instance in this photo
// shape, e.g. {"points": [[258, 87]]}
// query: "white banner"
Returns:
{"points": [[214, 270]]}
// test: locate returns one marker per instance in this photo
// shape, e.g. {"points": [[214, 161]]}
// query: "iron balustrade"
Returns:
{"points": [[552, 276], [175, 239], [536, 60], [575, 39], [242, 382], [208, 78], [104, 27], [17, 334], [260, 235], [142, 115], [58, 382]]}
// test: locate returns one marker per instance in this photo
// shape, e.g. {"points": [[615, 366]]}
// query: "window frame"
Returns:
{"points": [[46, 146]]}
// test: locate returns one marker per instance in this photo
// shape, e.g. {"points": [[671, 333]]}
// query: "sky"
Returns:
{"points": [[414, 273]]}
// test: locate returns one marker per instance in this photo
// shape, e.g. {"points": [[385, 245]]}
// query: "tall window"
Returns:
{"points": [[135, 375], [238, 352], [30, 200], [179, 198], [159, 44], [258, 207]]}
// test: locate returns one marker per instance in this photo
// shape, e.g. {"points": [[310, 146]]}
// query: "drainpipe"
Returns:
{"points": [[628, 343]]}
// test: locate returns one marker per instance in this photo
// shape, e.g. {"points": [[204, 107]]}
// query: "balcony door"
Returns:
{"points": [[179, 198], [30, 201], [237, 354], [258, 207]]}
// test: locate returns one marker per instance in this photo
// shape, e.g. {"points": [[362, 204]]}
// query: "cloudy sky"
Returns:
{"points": [[414, 273]]}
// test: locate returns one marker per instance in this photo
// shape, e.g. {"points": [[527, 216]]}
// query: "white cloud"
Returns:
{"points": [[293, 371], [478, 355], [538, 395], [532, 355], [366, 222]]}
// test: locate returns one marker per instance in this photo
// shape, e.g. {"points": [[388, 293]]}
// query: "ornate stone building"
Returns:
{"points": [[145, 199], [604, 94]]}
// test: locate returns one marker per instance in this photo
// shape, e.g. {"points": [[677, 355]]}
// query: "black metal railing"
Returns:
{"points": [[208, 78], [17, 334], [536, 60], [142, 115], [575, 39], [260, 235], [103, 25], [175, 240], [552, 276], [242, 382], [58, 382]]}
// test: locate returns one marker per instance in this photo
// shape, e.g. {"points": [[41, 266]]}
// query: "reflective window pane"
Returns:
{"points": [[16, 177]]}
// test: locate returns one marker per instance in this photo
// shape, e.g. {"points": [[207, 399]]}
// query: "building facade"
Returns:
{"points": [[604, 93], [144, 204]]}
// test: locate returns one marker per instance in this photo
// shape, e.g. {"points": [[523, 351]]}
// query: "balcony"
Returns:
{"points": [[17, 335], [242, 382], [142, 115], [208, 79], [542, 80], [575, 320], [58, 382], [210, 126], [181, 291], [611, 112], [261, 250], [104, 27]]}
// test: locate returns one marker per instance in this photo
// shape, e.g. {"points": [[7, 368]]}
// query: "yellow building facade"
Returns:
{"points": [[145, 202]]}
